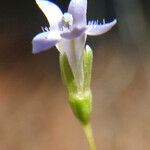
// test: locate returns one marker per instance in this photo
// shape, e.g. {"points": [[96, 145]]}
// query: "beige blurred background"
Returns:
{"points": [[34, 113]]}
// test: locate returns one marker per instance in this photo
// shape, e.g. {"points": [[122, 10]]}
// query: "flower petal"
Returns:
{"points": [[100, 29], [45, 40], [74, 33], [78, 9], [74, 50], [51, 11]]}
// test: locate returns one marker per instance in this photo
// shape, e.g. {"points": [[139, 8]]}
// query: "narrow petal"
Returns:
{"points": [[100, 29], [78, 9], [44, 41], [51, 11], [74, 33]]}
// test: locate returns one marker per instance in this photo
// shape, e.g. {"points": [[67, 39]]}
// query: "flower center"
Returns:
{"points": [[67, 20]]}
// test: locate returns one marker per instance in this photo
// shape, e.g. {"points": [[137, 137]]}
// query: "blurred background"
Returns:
{"points": [[34, 113]]}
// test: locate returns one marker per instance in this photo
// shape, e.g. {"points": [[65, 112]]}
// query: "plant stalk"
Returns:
{"points": [[89, 135]]}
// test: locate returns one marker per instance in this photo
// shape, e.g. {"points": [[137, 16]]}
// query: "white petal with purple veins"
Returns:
{"points": [[51, 11], [94, 29], [45, 40]]}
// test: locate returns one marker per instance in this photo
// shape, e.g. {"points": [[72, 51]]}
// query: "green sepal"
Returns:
{"points": [[67, 75], [87, 67], [80, 100], [81, 104]]}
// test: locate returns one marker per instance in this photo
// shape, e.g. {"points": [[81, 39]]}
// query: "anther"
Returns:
{"points": [[67, 20]]}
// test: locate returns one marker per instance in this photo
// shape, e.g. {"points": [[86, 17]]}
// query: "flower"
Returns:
{"points": [[68, 32], [66, 26]]}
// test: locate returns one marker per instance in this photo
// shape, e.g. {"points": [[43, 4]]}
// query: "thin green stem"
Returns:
{"points": [[89, 135]]}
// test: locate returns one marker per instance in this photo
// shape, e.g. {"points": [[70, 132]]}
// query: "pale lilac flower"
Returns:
{"points": [[68, 31]]}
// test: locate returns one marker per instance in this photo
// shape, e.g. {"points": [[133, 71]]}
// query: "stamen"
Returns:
{"points": [[67, 20]]}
